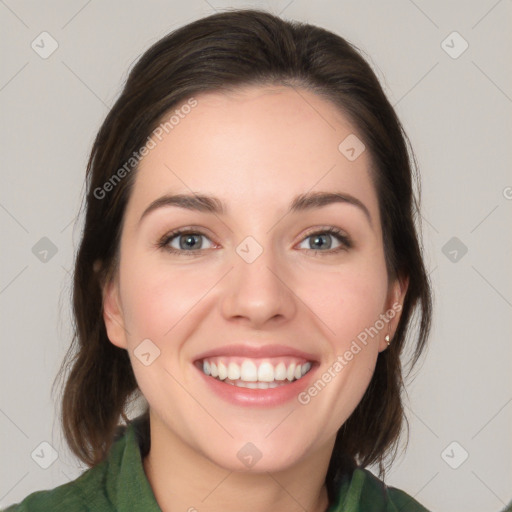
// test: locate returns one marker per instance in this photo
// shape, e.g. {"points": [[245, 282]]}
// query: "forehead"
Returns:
{"points": [[256, 145]]}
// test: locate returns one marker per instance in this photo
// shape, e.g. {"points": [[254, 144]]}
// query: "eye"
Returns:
{"points": [[184, 241], [189, 242], [322, 240]]}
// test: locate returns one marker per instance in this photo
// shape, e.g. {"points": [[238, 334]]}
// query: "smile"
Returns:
{"points": [[255, 373]]}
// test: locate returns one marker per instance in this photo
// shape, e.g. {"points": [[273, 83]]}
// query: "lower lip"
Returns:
{"points": [[258, 397]]}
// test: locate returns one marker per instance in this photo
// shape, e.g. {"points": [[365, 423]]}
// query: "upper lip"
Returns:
{"points": [[256, 351]]}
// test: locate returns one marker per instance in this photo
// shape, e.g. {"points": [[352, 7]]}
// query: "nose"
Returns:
{"points": [[258, 292]]}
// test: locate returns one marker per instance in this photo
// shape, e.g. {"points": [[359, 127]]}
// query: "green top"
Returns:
{"points": [[119, 484]]}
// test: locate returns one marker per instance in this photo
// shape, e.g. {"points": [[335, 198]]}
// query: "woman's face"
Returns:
{"points": [[261, 273]]}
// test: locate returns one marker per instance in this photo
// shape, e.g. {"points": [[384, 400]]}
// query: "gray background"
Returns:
{"points": [[457, 112]]}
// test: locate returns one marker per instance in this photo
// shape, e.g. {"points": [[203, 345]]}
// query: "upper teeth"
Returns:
{"points": [[248, 371]]}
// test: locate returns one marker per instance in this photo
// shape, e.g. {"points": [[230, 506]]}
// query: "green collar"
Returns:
{"points": [[119, 484]]}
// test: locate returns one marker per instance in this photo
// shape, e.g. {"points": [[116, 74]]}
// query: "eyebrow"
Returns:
{"points": [[211, 204]]}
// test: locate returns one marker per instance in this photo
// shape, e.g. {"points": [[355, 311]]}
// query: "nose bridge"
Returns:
{"points": [[254, 261], [256, 290]]}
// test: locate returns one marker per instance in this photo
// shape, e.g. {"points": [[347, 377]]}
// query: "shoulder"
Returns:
{"points": [[362, 491], [66, 497], [395, 500], [87, 492]]}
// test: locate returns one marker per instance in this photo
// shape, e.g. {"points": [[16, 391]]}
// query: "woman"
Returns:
{"points": [[248, 270]]}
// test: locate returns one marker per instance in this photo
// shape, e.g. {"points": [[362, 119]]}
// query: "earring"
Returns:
{"points": [[387, 339]]}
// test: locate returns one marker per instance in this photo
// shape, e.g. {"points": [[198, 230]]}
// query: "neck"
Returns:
{"points": [[183, 479]]}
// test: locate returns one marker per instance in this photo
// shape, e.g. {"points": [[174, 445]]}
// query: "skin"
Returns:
{"points": [[255, 149]]}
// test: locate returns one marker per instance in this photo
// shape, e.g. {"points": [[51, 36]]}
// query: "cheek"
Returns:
{"points": [[347, 301], [156, 297]]}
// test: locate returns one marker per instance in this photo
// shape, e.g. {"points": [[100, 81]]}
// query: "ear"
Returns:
{"points": [[394, 305], [113, 314]]}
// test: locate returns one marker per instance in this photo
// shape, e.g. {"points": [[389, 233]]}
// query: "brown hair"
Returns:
{"points": [[222, 52]]}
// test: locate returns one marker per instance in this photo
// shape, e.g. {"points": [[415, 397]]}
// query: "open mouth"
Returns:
{"points": [[255, 373]]}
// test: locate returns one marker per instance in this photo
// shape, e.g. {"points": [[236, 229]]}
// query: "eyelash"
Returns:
{"points": [[346, 242]]}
